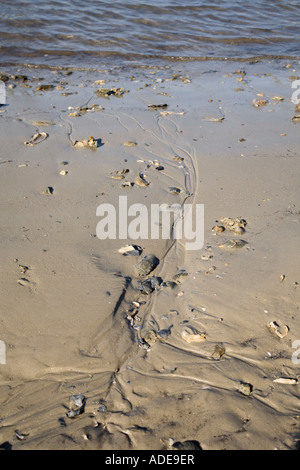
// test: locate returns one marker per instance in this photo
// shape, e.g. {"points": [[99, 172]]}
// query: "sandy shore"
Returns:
{"points": [[73, 318]]}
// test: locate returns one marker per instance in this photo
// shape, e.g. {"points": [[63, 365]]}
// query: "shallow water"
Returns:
{"points": [[95, 33]]}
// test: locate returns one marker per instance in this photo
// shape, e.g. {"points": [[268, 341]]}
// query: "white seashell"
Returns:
{"points": [[37, 138], [191, 335], [286, 381]]}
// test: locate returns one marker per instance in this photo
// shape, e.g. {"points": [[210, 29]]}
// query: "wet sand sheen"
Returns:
{"points": [[193, 359]]}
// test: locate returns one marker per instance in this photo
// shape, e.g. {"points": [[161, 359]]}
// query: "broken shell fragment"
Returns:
{"points": [[85, 143], [191, 335], [119, 174], [275, 329], [49, 191], [150, 337], [233, 244], [74, 114], [76, 406], [185, 445], [218, 229], [23, 269], [23, 281], [106, 92], [214, 119], [154, 107], [218, 352], [141, 180], [20, 435], [286, 381], [233, 224], [174, 190], [130, 144], [45, 87], [296, 118], [180, 276], [259, 102], [132, 250], [37, 138]]}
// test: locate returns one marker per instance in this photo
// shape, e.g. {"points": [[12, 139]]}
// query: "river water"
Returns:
{"points": [[91, 34]]}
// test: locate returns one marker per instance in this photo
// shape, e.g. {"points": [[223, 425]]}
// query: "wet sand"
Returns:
{"points": [[72, 316]]}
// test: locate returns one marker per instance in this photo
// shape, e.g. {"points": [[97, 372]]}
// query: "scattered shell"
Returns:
{"points": [[206, 257], [127, 184], [23, 281], [259, 103], [106, 92], [234, 225], [282, 277], [238, 230], [130, 144], [232, 244], [146, 265], [218, 352], [277, 98], [286, 381], [43, 123], [63, 172], [191, 335], [20, 435], [174, 190], [37, 138], [169, 284], [180, 276], [74, 114], [157, 106], [275, 328], [210, 270], [85, 109], [49, 191], [132, 250], [45, 87], [76, 406], [218, 229], [213, 119], [141, 180], [185, 445], [150, 337], [167, 113], [85, 143], [296, 118], [178, 159], [23, 269], [245, 389], [117, 175]]}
